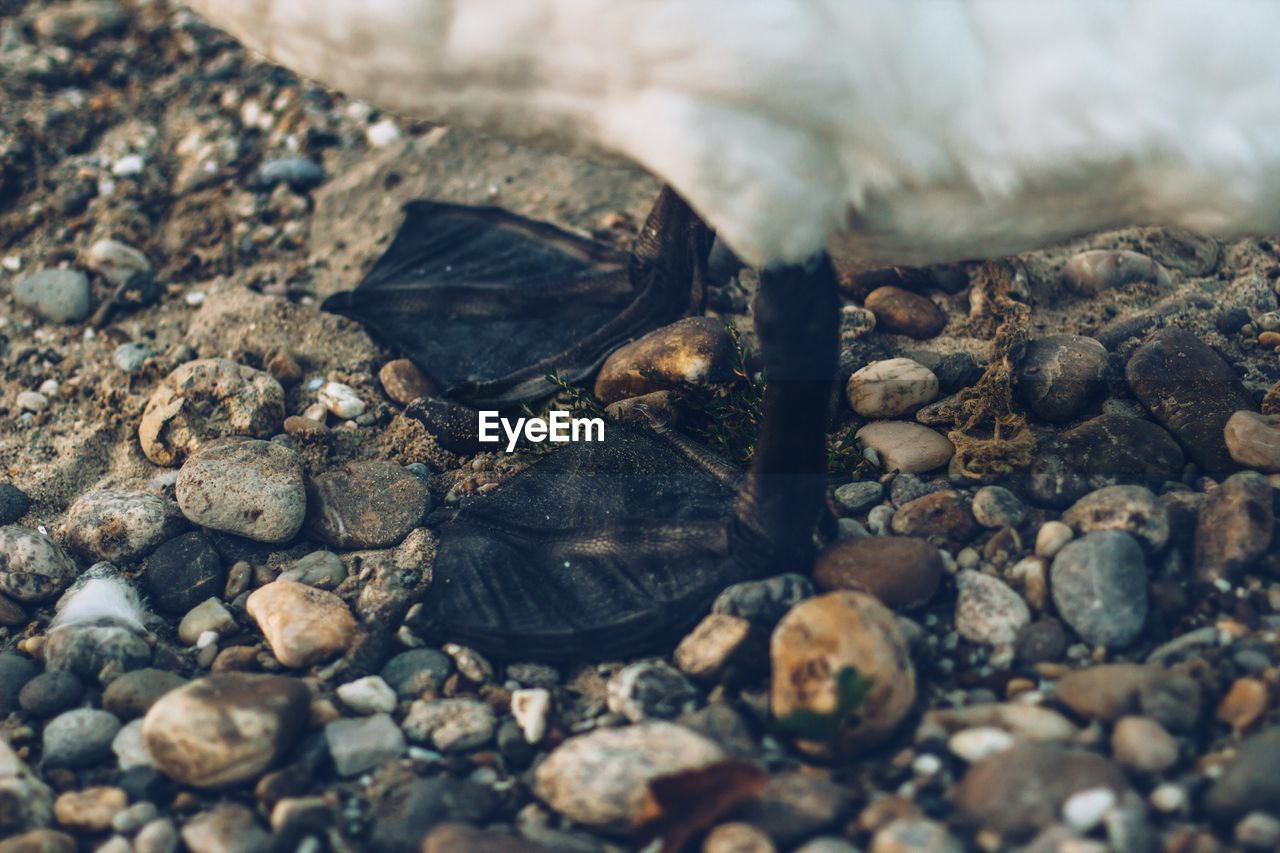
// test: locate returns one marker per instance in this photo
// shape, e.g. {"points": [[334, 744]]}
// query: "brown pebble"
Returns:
{"points": [[902, 312], [304, 427], [11, 615], [901, 571], [236, 659], [1244, 703], [692, 351], [944, 518], [284, 367], [404, 382], [1269, 339], [1235, 527]]}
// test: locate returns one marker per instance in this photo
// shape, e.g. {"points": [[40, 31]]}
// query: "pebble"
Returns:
{"points": [[129, 748], [403, 382], [943, 518], [50, 693], [1191, 391], [1235, 527], [650, 690], [975, 744], [737, 837], [797, 804], [714, 644], [298, 173], [133, 818], [1023, 721], [1042, 641], [1107, 692], [409, 808], [28, 802], [1103, 451], [57, 295], [1022, 790], [79, 738], [341, 400], [120, 526], [450, 725], [1243, 704], [225, 828], [1060, 375], [1249, 783], [32, 566], [891, 388], [248, 487], [995, 507], [1258, 831], [183, 572], [853, 497], [129, 357], [764, 602], [206, 399], [1253, 440], [1084, 810], [303, 625], [906, 446], [412, 673], [363, 743], [90, 810], [14, 503], [323, 569], [158, 836], [1097, 271], [1099, 585], [1050, 538], [692, 351], [1143, 745], [225, 728], [371, 504], [901, 312], [31, 401], [530, 706], [116, 262], [821, 638], [988, 611], [1131, 509], [208, 616], [914, 835], [600, 779], [368, 695], [902, 571]]}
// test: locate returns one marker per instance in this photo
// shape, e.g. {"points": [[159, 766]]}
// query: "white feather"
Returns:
{"points": [[893, 131], [102, 598]]}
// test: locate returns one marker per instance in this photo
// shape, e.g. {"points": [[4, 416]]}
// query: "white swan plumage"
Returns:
{"points": [[889, 131]]}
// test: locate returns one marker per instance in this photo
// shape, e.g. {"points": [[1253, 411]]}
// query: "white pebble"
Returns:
{"points": [[341, 400], [1051, 537], [530, 707], [927, 764], [206, 639], [889, 388], [130, 164], [195, 298], [979, 742], [32, 401], [1085, 809], [317, 412], [368, 695], [49, 387], [383, 133], [11, 263]]}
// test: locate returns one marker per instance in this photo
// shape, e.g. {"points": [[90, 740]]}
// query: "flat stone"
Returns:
{"points": [[132, 694], [1235, 527], [890, 388], [226, 828], [58, 295], [247, 487], [207, 399], [371, 504], [1191, 390], [853, 497], [1099, 585], [225, 728], [363, 743], [25, 801], [50, 693], [121, 526], [417, 670], [32, 566], [368, 695], [907, 447], [323, 569], [1250, 782], [1131, 509], [1106, 692], [713, 646], [943, 518], [404, 382], [183, 572], [601, 779], [303, 625], [1143, 745], [39, 841], [764, 602], [406, 810], [988, 611], [692, 351], [796, 805], [79, 738], [995, 507], [1060, 375], [902, 571], [1104, 451], [901, 312], [1253, 440], [822, 637], [89, 810], [116, 262], [450, 725], [1096, 271]]}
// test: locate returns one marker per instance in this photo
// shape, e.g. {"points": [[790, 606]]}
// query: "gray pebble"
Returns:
{"points": [[79, 738], [183, 572], [248, 487], [129, 357], [121, 526], [298, 173], [14, 503], [50, 693], [995, 507], [852, 497], [412, 672], [651, 690], [32, 566], [322, 569], [15, 671], [450, 725], [764, 602], [1099, 585], [60, 295], [363, 743]]}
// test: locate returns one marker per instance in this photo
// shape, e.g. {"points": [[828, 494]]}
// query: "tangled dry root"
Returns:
{"points": [[991, 436]]}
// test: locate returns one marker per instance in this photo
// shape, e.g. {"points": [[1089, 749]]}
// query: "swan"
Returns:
{"points": [[805, 134]]}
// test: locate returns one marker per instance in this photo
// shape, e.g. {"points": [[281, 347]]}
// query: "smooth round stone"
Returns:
{"points": [[914, 835], [1249, 783], [132, 694], [15, 671], [1131, 509], [417, 670], [1042, 641], [368, 695], [1235, 527], [32, 566], [714, 643], [1253, 440], [995, 507], [298, 173], [901, 312], [129, 748], [183, 572], [223, 828], [225, 728], [121, 526], [79, 738], [129, 357], [366, 505], [1097, 271], [906, 446], [975, 744], [404, 382], [323, 569], [116, 262], [1060, 375], [902, 571], [943, 518], [601, 779], [342, 401], [14, 503], [988, 611], [1050, 538], [58, 295], [890, 388], [207, 399], [1143, 744], [89, 810], [248, 487], [450, 725], [650, 690], [853, 497], [209, 615], [821, 638], [50, 693], [764, 602], [1099, 585], [1191, 390], [303, 625], [692, 351], [364, 743], [1103, 451]]}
